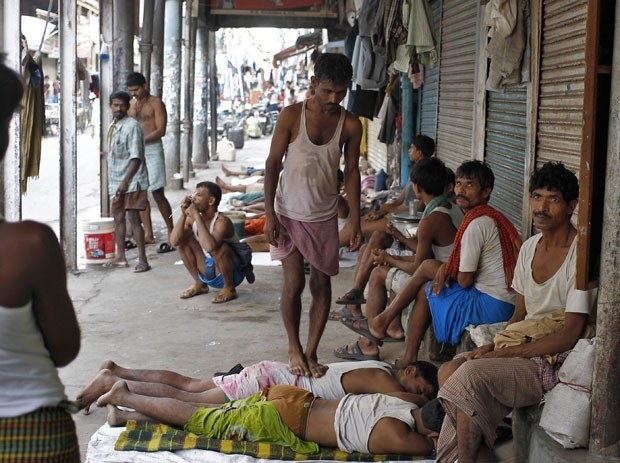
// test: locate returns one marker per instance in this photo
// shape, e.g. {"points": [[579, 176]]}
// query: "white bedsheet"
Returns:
{"points": [[101, 450]]}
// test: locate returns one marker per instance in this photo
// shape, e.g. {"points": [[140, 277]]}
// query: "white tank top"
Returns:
{"points": [[308, 186], [28, 377]]}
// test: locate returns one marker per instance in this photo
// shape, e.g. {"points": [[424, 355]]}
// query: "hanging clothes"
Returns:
{"points": [[387, 133], [421, 42]]}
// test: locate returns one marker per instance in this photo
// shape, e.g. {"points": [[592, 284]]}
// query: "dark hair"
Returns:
{"points": [[424, 144], [556, 177], [214, 190], [433, 415], [428, 372], [450, 177], [430, 175], [135, 78], [478, 170], [120, 95], [333, 67], [12, 90]]}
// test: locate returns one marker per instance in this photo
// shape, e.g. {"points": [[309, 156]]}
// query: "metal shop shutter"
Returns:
{"points": [[562, 71], [457, 76], [377, 151], [505, 150], [427, 115]]}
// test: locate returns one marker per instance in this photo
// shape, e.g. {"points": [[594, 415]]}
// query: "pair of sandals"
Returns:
{"points": [[224, 295]]}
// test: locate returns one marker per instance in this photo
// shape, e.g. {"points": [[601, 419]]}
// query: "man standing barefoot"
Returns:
{"points": [[150, 112], [301, 204]]}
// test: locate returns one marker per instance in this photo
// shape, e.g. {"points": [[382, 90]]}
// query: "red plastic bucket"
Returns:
{"points": [[98, 240]]}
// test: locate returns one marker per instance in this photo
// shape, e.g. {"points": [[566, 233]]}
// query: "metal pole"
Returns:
{"points": [[157, 57], [187, 94], [605, 426], [200, 145], [11, 199], [171, 90], [213, 94], [123, 18], [68, 132], [146, 38], [106, 71], [406, 89]]}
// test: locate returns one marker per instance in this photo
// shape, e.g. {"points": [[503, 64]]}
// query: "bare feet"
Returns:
{"points": [[316, 368], [219, 182], [116, 417], [115, 395], [100, 384], [149, 240], [297, 363]]}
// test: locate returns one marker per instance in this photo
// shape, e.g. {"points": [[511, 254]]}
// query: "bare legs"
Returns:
{"points": [[300, 363], [164, 209], [120, 230]]}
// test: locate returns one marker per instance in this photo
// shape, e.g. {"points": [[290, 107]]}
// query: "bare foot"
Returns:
{"points": [[108, 365], [219, 182], [149, 240], [297, 364], [116, 417], [100, 384], [316, 368], [115, 395]]}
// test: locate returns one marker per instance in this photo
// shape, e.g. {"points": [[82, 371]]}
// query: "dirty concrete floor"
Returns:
{"points": [[139, 321]]}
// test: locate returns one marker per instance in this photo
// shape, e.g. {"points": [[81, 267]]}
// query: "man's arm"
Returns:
{"points": [[353, 127], [160, 120], [273, 165], [183, 225], [222, 230]]}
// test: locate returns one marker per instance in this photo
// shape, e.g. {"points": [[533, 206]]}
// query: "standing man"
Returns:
{"points": [[492, 380], [150, 112], [301, 203], [127, 179], [473, 287]]}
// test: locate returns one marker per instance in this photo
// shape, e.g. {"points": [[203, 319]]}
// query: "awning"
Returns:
{"points": [[303, 44]]}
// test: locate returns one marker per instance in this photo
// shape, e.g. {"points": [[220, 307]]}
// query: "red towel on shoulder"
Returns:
{"points": [[508, 237]]}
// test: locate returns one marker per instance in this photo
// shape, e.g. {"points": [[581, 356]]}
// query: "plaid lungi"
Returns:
{"points": [[45, 435]]}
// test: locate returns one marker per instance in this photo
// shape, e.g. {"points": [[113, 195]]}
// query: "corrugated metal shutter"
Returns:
{"points": [[560, 111], [457, 60], [505, 150], [377, 151], [427, 116]]}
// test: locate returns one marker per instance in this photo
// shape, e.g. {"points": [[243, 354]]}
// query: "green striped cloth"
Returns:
{"points": [[150, 437]]}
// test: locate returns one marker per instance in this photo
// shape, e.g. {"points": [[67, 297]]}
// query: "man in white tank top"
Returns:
{"points": [[301, 199]]}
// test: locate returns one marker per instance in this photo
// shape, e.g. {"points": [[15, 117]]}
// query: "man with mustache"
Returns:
{"points": [[551, 314], [473, 286]]}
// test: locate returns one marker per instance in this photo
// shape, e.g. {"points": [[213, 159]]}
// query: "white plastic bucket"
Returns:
{"points": [[98, 240], [238, 220], [226, 150]]}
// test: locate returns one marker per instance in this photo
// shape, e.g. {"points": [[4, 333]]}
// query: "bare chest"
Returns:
{"points": [[321, 128], [547, 262]]}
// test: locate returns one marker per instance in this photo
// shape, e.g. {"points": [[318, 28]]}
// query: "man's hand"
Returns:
{"points": [[374, 215], [271, 229], [380, 257], [395, 232], [122, 187], [480, 352], [440, 281], [185, 203]]}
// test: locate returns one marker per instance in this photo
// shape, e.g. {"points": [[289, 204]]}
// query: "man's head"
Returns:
{"points": [[418, 377], [119, 104], [474, 183], [429, 418], [208, 194], [554, 192], [12, 90], [136, 85], [429, 175], [421, 147], [332, 76]]}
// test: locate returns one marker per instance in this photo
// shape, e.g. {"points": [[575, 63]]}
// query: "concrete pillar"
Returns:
{"points": [[407, 94], [106, 82], [146, 38], [123, 27], [171, 90], [200, 144], [605, 426], [188, 81], [213, 94], [157, 56], [10, 188], [68, 132]]}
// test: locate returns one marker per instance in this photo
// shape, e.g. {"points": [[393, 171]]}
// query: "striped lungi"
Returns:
{"points": [[45, 435], [486, 390]]}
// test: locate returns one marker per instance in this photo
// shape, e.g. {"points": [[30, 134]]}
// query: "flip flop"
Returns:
{"points": [[130, 245], [164, 248], [353, 352], [391, 339], [353, 297], [141, 267], [194, 291], [122, 264], [224, 295], [361, 329], [233, 371], [337, 315]]}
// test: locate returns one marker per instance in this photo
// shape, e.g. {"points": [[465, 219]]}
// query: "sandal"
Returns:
{"points": [[352, 297], [343, 313], [194, 290], [164, 248], [225, 295], [142, 267], [353, 352], [361, 327]]}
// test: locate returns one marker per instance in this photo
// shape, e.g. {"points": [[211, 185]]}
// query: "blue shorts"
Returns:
{"points": [[218, 281], [454, 308]]}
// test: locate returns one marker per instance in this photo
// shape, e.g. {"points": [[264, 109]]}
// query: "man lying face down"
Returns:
{"points": [[287, 415]]}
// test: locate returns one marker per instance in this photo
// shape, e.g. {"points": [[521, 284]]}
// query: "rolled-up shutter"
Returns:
{"points": [[377, 151], [505, 150], [455, 117], [430, 90], [560, 110]]}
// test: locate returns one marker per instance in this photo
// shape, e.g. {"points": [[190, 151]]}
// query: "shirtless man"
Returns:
{"points": [[367, 423], [341, 378], [301, 199], [150, 112]]}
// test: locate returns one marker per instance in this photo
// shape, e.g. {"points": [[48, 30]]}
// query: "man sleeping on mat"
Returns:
{"points": [[287, 415], [340, 378]]}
